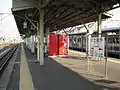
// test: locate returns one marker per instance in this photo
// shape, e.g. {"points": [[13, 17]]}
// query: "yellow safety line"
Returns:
{"points": [[115, 61], [25, 76], [82, 53], [110, 59]]}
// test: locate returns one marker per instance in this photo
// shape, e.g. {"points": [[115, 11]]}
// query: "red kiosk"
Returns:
{"points": [[58, 44]]}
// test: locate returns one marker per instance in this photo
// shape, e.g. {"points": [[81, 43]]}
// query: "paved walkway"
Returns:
{"points": [[67, 73], [56, 76], [96, 72]]}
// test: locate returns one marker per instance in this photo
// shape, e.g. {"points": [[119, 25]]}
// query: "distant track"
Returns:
{"points": [[6, 56]]}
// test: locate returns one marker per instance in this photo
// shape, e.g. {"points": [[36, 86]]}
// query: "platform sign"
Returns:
{"points": [[97, 47]]}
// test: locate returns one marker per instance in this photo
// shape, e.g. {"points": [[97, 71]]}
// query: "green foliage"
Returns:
{"points": [[2, 38]]}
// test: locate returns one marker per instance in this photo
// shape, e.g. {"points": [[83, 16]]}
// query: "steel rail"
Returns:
{"points": [[5, 57]]}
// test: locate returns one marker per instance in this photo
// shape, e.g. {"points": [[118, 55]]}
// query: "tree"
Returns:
{"points": [[2, 38]]}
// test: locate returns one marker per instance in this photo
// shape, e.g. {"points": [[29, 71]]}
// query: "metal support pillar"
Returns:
{"points": [[29, 43], [82, 42], [88, 37], [99, 24], [38, 43], [119, 43], [72, 42], [88, 30], [47, 33], [26, 41], [41, 31], [87, 43], [106, 67], [35, 45], [32, 44]]}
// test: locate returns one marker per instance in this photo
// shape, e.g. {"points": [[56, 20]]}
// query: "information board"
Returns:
{"points": [[97, 46]]}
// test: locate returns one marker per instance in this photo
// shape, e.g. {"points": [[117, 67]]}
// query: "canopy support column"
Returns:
{"points": [[47, 34], [32, 44], [38, 43], [99, 24], [41, 40]]}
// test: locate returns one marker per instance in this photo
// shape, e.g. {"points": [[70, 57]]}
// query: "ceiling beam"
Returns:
{"points": [[72, 16], [91, 6], [55, 15]]}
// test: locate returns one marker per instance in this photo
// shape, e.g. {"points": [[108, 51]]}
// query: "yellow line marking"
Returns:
{"points": [[25, 76], [112, 60], [109, 59], [82, 53]]}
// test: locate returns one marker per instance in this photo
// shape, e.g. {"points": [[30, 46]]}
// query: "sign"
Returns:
{"points": [[97, 46]]}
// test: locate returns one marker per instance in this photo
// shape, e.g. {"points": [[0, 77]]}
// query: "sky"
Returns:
{"points": [[8, 28], [115, 13], [114, 21]]}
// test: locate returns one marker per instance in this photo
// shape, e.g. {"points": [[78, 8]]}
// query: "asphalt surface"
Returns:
{"points": [[67, 73], [54, 76]]}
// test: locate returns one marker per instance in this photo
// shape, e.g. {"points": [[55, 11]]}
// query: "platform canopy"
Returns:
{"points": [[58, 14]]}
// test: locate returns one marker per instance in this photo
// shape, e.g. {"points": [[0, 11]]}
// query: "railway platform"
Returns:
{"points": [[62, 73]]}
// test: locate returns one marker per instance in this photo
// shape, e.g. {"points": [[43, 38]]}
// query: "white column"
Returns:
{"points": [[41, 29], [38, 43], [99, 24], [32, 44], [26, 41], [46, 46], [29, 43], [89, 43]]}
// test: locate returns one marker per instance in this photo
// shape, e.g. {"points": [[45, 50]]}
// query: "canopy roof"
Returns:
{"points": [[59, 14]]}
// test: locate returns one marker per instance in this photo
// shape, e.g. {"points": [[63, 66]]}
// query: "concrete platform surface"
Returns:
{"points": [[68, 73], [55, 75]]}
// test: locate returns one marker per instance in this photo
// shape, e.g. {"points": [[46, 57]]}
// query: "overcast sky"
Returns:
{"points": [[8, 26], [116, 14]]}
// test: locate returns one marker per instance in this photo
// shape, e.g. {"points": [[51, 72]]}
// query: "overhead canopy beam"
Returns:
{"points": [[61, 14], [93, 8], [70, 16], [22, 4]]}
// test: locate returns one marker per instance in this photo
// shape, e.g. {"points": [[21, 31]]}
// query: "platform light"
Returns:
{"points": [[25, 24]]}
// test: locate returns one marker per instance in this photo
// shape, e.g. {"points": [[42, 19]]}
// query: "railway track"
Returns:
{"points": [[6, 56], [3, 49]]}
